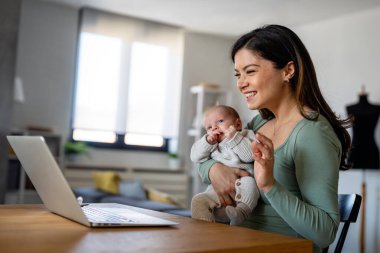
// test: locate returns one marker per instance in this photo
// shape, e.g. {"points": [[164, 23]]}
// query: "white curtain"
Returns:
{"points": [[131, 30]]}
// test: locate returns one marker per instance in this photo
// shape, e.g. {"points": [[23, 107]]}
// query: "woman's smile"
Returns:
{"points": [[250, 95], [258, 80]]}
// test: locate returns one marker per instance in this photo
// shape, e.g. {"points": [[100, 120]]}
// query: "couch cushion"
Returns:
{"points": [[89, 194], [180, 212], [132, 189], [159, 196], [106, 181]]}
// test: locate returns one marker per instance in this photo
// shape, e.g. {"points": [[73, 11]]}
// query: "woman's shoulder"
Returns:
{"points": [[315, 130], [257, 122], [316, 123]]}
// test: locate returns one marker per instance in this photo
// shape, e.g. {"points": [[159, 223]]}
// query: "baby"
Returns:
{"points": [[227, 143]]}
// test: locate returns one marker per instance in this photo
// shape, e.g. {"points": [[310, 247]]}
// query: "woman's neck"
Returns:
{"points": [[284, 116], [285, 109]]}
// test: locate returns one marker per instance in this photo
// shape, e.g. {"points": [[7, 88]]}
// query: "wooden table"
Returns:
{"points": [[31, 228]]}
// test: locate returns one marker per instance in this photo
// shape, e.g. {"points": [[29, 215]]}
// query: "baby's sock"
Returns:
{"points": [[238, 214], [202, 208]]}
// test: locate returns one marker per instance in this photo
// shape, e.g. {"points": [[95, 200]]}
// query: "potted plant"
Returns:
{"points": [[75, 148]]}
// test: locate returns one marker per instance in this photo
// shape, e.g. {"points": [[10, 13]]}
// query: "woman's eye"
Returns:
{"points": [[251, 72], [237, 75]]}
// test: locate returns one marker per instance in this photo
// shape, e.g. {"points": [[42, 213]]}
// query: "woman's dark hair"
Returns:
{"points": [[280, 45]]}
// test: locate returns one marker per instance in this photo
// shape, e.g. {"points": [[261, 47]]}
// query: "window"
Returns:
{"points": [[127, 92]]}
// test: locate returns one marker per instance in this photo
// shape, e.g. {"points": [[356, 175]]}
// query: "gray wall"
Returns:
{"points": [[206, 59], [46, 63], [9, 23]]}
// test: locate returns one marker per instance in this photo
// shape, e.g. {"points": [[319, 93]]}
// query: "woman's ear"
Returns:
{"points": [[289, 71]]}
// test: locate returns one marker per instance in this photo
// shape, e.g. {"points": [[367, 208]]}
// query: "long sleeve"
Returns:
{"points": [[201, 150], [204, 169], [240, 144], [313, 213], [235, 152]]}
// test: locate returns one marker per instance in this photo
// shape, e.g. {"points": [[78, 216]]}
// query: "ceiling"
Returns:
{"points": [[228, 17]]}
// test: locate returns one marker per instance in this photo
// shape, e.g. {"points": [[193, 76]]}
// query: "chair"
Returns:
{"points": [[349, 206]]}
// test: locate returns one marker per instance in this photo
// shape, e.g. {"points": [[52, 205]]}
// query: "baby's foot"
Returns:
{"points": [[235, 214]]}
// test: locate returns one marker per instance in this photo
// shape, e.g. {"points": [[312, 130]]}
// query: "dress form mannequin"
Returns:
{"points": [[365, 153]]}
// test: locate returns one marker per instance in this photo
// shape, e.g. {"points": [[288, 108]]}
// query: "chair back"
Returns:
{"points": [[349, 206]]}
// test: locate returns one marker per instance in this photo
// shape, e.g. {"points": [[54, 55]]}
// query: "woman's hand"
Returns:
{"points": [[263, 154], [223, 180]]}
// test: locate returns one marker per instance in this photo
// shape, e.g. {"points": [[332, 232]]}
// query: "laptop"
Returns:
{"points": [[56, 194]]}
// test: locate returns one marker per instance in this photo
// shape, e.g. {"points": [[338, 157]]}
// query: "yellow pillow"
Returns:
{"points": [[106, 181], [159, 196]]}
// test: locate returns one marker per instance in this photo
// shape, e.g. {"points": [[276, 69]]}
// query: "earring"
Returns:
{"points": [[287, 78]]}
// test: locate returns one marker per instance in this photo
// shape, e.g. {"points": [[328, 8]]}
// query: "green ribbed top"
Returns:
{"points": [[303, 202]]}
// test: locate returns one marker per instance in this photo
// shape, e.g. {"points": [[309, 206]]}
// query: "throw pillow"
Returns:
{"points": [[132, 189], [159, 196], [106, 181]]}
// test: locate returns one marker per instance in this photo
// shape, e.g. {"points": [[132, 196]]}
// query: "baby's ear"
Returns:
{"points": [[238, 125]]}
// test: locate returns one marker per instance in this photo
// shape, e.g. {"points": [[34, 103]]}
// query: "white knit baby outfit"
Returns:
{"points": [[236, 153]]}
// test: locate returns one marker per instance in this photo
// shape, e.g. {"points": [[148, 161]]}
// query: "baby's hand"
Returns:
{"points": [[230, 132], [212, 138]]}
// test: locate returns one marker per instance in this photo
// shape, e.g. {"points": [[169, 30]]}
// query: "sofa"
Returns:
{"points": [[110, 189]]}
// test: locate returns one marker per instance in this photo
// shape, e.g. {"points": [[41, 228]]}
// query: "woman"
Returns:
{"points": [[301, 143]]}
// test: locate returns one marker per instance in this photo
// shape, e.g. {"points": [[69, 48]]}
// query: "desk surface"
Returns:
{"points": [[31, 228]]}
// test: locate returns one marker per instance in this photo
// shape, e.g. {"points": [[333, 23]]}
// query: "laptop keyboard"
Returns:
{"points": [[103, 216]]}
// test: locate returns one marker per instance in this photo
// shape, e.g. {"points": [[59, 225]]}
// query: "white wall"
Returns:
{"points": [[346, 54]]}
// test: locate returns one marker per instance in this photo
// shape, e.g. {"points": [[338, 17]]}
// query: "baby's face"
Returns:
{"points": [[217, 122]]}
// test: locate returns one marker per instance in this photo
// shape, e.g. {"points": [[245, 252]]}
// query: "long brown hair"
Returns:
{"points": [[281, 45]]}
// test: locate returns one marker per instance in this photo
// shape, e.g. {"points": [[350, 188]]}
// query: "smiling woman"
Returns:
{"points": [[128, 76], [301, 143]]}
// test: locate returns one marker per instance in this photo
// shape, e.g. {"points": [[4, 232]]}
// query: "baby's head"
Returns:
{"points": [[219, 118]]}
